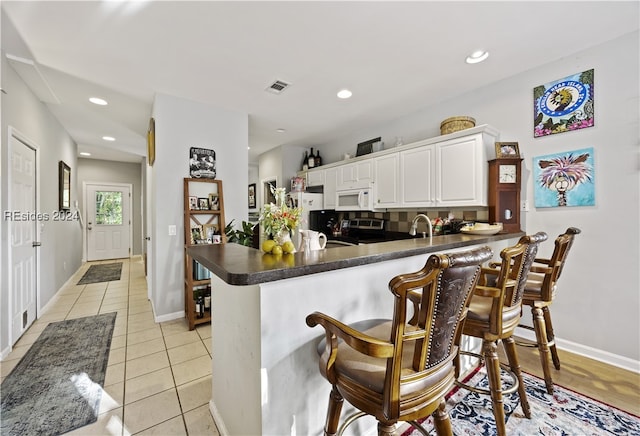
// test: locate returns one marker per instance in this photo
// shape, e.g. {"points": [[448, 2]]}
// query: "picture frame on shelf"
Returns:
{"points": [[209, 232], [193, 203], [214, 201], [252, 196], [196, 234], [508, 150], [203, 203]]}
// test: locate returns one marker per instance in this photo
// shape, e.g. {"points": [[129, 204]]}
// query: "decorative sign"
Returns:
{"points": [[564, 105], [564, 179], [202, 163]]}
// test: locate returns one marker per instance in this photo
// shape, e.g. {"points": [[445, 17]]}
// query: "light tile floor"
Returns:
{"points": [[158, 379]]}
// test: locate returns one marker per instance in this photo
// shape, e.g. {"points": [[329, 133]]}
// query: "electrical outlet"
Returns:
{"points": [[524, 205], [172, 230]]}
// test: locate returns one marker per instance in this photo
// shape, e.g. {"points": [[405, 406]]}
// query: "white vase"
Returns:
{"points": [[282, 237]]}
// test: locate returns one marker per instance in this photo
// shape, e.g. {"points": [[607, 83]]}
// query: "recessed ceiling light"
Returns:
{"points": [[108, 138], [84, 153], [344, 93], [477, 56], [98, 101], [280, 130]]}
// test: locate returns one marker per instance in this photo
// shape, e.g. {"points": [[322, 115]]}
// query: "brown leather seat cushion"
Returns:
{"points": [[370, 372], [480, 309]]}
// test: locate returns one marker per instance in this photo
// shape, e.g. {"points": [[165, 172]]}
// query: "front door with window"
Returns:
{"points": [[108, 221]]}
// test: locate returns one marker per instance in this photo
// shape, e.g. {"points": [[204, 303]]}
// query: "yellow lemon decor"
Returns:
{"points": [[278, 221]]}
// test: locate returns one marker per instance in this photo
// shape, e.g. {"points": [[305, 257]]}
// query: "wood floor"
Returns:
{"points": [[609, 384]]}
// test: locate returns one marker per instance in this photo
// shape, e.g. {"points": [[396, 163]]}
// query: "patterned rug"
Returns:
{"points": [[563, 413], [105, 272], [56, 387]]}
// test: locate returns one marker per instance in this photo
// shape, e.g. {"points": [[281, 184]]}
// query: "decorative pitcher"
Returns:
{"points": [[312, 240]]}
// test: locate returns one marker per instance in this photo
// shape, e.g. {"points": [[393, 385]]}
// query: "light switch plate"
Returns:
{"points": [[172, 230]]}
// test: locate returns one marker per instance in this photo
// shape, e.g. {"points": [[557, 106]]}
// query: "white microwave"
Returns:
{"points": [[354, 199]]}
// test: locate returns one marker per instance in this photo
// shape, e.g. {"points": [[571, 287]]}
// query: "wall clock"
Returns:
{"points": [[151, 142], [504, 193]]}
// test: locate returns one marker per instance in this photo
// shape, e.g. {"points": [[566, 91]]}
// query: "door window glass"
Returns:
{"points": [[109, 207]]}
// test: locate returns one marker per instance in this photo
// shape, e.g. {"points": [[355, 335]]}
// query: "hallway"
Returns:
{"points": [[158, 379]]}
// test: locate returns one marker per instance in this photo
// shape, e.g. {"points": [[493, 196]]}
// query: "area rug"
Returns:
{"points": [[563, 413], [56, 387], [105, 272]]}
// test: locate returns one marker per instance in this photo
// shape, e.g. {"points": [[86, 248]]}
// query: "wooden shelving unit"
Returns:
{"points": [[199, 219]]}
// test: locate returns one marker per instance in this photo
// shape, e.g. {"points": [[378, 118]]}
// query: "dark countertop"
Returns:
{"points": [[240, 265]]}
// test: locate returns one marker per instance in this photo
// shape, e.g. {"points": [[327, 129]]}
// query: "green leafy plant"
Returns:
{"points": [[244, 236]]}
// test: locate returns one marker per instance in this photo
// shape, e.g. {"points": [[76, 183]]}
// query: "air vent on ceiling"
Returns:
{"points": [[278, 86]]}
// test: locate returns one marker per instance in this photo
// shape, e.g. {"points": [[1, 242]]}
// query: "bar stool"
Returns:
{"points": [[539, 292], [494, 313], [395, 371]]}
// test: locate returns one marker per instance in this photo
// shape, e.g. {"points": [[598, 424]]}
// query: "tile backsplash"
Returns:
{"points": [[401, 221]]}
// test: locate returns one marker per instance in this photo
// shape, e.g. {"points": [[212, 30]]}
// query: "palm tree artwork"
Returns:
{"points": [[568, 177]]}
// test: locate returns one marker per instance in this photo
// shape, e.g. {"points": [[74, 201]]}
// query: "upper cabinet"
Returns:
{"points": [[355, 175], [446, 171], [461, 172], [386, 187], [330, 185], [315, 178], [418, 177]]}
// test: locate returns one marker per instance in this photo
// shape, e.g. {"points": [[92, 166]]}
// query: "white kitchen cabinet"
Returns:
{"points": [[355, 175], [451, 173], [315, 177], [386, 187], [417, 177], [330, 185], [461, 172]]}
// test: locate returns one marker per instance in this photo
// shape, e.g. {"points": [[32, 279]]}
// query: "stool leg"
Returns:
{"points": [[512, 355], [551, 337], [490, 351], [333, 412], [543, 347], [441, 421], [386, 429]]}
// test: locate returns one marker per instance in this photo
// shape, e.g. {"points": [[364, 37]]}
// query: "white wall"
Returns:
{"points": [[94, 170], [598, 300], [61, 250], [181, 124]]}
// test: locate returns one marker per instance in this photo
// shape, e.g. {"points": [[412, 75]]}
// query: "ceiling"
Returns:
{"points": [[396, 57]]}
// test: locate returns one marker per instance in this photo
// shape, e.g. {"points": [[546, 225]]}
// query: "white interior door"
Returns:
{"points": [[24, 239], [108, 221]]}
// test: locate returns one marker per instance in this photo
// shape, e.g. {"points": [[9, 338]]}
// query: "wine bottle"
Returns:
{"points": [[201, 304], [318, 159], [198, 306], [312, 159], [305, 161]]}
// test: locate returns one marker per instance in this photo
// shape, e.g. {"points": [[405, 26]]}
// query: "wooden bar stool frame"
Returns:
{"points": [[539, 292], [494, 314], [395, 371]]}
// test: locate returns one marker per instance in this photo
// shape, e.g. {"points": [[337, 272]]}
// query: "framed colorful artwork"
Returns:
{"points": [[564, 105], [564, 179]]}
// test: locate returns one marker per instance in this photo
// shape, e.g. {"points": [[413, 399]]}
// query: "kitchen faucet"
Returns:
{"points": [[414, 226]]}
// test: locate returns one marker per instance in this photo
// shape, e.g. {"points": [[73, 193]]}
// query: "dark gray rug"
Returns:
{"points": [[106, 272], [56, 387]]}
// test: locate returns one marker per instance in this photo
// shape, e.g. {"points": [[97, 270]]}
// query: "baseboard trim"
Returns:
{"points": [[167, 317], [217, 418], [589, 352]]}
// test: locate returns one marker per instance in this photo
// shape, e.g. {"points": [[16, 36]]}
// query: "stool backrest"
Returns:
{"points": [[563, 244], [532, 242], [445, 286]]}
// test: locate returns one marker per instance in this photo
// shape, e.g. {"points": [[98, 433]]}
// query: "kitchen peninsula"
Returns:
{"points": [[265, 376]]}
